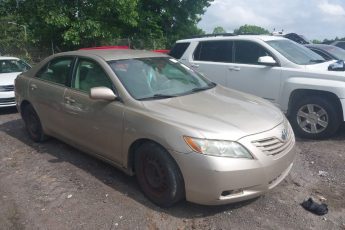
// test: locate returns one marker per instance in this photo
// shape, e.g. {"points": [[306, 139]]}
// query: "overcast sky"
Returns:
{"points": [[316, 19]]}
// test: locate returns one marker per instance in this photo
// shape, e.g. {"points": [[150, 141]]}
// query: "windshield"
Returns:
{"points": [[336, 52], [157, 78], [13, 66], [296, 53]]}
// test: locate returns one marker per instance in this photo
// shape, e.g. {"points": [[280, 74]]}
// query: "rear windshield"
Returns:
{"points": [[178, 50]]}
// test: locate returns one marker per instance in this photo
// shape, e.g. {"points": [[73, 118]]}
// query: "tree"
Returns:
{"points": [[70, 24], [251, 29], [218, 30]]}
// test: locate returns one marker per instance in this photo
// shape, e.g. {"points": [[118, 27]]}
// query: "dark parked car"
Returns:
{"points": [[328, 52]]}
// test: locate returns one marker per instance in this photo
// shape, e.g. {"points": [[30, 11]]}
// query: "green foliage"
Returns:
{"points": [[315, 41], [71, 24], [251, 29], [218, 30]]}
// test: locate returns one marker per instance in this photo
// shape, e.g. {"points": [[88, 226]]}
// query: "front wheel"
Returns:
{"points": [[315, 117], [158, 175]]}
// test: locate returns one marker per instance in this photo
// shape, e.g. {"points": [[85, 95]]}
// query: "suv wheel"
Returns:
{"points": [[158, 175], [314, 117]]}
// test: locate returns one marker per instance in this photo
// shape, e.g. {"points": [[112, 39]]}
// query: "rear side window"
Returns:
{"points": [[247, 52], [215, 51], [56, 71], [178, 50]]}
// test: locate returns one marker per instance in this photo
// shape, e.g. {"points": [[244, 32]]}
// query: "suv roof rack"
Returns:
{"points": [[213, 35]]}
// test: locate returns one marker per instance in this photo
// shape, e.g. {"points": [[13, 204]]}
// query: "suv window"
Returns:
{"points": [[247, 52], [341, 44], [178, 50], [56, 71], [216, 51], [89, 74]]}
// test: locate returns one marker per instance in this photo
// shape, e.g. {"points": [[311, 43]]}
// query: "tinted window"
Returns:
{"points": [[56, 71], [216, 51], [178, 50], [88, 75], [249, 52], [341, 44]]}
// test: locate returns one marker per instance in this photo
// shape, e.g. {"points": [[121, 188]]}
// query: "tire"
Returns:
{"points": [[315, 117], [158, 175], [33, 124]]}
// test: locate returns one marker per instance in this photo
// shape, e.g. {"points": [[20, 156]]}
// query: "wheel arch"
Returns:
{"points": [[300, 93]]}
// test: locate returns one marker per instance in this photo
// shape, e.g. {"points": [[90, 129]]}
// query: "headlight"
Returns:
{"points": [[218, 148]]}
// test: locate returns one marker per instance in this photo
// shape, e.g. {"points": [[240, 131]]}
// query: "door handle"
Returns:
{"points": [[235, 68], [33, 86], [69, 100], [195, 65]]}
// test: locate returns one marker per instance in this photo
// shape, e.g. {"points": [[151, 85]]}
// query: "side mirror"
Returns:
{"points": [[102, 93], [267, 60]]}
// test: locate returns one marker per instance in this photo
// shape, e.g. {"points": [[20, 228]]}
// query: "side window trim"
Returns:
{"points": [[78, 59], [46, 66]]}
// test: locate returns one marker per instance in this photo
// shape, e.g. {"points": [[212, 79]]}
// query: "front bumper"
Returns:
{"points": [[7, 99], [213, 180]]}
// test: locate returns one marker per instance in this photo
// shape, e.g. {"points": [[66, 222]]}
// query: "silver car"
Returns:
{"points": [[149, 115]]}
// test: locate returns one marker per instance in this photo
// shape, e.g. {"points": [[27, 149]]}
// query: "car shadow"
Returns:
{"points": [[109, 175], [8, 110]]}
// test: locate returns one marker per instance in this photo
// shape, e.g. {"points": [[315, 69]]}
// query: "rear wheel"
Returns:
{"points": [[315, 117], [158, 175], [33, 124]]}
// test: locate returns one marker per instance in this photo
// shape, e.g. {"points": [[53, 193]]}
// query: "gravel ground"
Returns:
{"points": [[54, 186]]}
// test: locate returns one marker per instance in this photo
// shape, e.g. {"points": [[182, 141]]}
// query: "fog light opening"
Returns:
{"points": [[232, 192]]}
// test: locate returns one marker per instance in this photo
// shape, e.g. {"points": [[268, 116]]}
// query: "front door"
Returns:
{"points": [[247, 75], [95, 125]]}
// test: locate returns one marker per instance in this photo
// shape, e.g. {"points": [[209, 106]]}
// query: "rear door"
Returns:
{"points": [[247, 75], [46, 93], [95, 125], [211, 58]]}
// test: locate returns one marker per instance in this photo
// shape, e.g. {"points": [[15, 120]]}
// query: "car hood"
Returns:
{"points": [[8, 78], [218, 113], [320, 66]]}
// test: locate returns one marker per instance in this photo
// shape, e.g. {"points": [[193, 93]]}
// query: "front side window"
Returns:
{"points": [[247, 52], [157, 78], [13, 66], [56, 71], [89, 74], [295, 53], [215, 51]]}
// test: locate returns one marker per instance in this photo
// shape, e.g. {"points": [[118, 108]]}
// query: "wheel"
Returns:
{"points": [[158, 175], [315, 117], [33, 124]]}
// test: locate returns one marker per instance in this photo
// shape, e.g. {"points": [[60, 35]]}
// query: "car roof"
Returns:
{"points": [[8, 58], [111, 54], [235, 37]]}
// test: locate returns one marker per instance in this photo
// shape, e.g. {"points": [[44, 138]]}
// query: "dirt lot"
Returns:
{"points": [[54, 186]]}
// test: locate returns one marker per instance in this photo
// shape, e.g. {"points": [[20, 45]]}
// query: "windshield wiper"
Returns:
{"points": [[157, 96], [209, 86]]}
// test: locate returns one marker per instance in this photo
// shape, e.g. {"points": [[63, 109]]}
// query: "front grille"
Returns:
{"points": [[274, 145], [6, 88], [7, 100]]}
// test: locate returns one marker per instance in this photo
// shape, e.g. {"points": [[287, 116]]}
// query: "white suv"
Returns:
{"points": [[289, 75]]}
